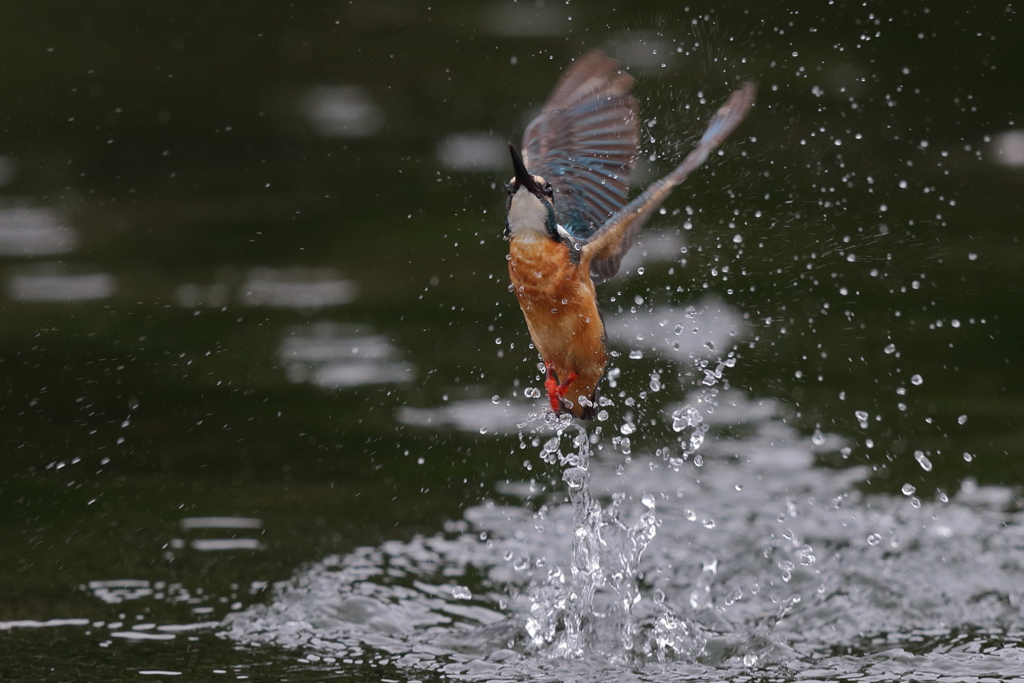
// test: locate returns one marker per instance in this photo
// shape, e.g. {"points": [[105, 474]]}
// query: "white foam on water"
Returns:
{"points": [[758, 561]]}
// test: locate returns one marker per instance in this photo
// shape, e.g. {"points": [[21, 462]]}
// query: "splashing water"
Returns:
{"points": [[570, 618], [795, 569], [775, 577]]}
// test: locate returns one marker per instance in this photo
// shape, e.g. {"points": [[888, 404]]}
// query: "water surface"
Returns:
{"points": [[264, 380]]}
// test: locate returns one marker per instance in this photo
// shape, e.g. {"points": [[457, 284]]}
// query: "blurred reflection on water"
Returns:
{"points": [[207, 544], [484, 416], [303, 288], [51, 282], [473, 152], [1009, 148], [334, 355], [34, 232], [342, 111]]}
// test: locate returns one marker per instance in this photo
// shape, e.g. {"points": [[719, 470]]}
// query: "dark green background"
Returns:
{"points": [[170, 136]]}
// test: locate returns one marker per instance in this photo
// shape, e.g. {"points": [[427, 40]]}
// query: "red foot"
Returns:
{"points": [[564, 386], [555, 390], [551, 384]]}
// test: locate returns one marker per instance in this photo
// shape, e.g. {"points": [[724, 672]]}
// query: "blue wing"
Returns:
{"points": [[606, 247], [584, 142]]}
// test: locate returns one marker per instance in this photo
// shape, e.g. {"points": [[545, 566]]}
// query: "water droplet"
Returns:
{"points": [[923, 461], [962, 419], [737, 239], [696, 440], [890, 348], [916, 380], [627, 429], [909, 489], [636, 354], [708, 523], [874, 539], [687, 416], [818, 439], [461, 593], [648, 501], [495, 399], [690, 515], [498, 341], [968, 457], [658, 596], [483, 430]]}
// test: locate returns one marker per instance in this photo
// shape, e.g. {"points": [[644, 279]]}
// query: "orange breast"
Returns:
{"points": [[560, 306]]}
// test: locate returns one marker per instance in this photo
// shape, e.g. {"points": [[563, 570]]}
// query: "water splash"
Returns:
{"points": [[590, 611], [796, 569]]}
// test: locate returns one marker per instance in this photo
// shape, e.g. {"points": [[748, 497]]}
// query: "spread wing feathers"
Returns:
{"points": [[608, 245], [584, 142]]}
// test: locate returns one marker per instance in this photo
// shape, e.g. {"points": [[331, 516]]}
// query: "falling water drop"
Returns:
{"points": [[923, 461]]}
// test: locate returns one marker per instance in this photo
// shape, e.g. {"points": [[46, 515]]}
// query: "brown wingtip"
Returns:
{"points": [[730, 115]]}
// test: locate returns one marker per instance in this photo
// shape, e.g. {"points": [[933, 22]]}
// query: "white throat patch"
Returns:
{"points": [[526, 214]]}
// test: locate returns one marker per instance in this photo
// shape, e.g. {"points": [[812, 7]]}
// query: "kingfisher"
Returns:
{"points": [[568, 221]]}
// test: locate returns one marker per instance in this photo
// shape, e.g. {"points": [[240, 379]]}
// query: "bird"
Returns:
{"points": [[568, 221]]}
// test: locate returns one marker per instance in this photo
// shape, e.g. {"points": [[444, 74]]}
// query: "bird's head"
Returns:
{"points": [[530, 208]]}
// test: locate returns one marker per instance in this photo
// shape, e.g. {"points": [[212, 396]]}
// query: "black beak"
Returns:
{"points": [[523, 176]]}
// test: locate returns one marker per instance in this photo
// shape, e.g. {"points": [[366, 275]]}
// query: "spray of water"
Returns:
{"points": [[592, 608]]}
